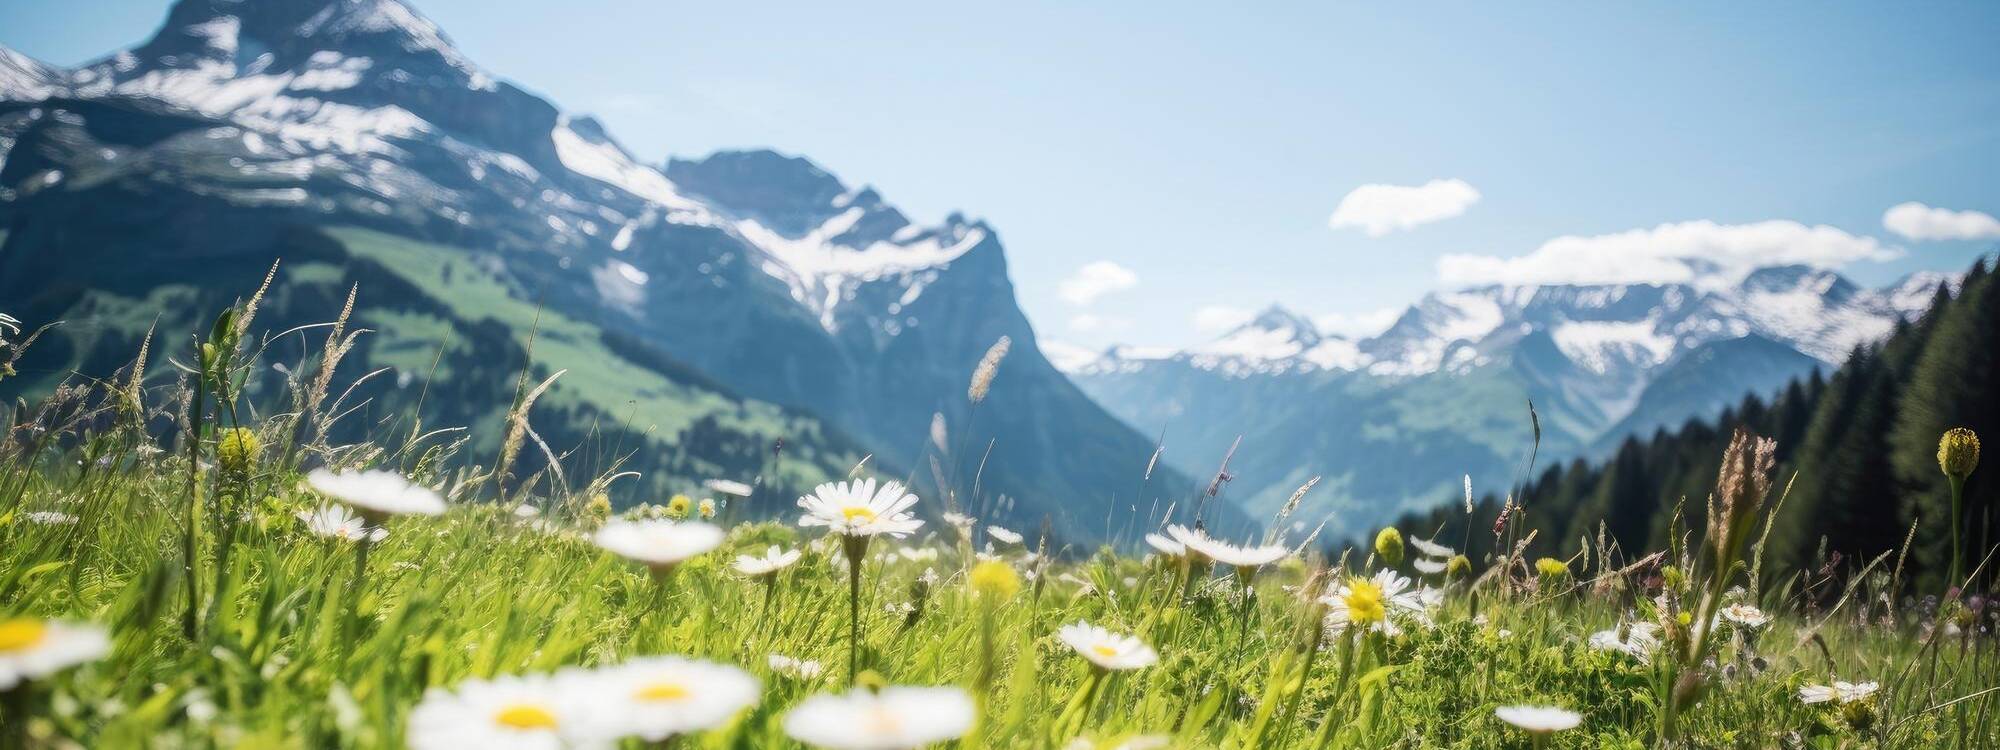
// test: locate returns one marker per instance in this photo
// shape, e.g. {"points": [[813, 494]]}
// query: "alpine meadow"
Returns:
{"points": [[356, 397]]}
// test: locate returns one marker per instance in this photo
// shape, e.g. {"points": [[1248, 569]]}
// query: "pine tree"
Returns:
{"points": [[1953, 384]]}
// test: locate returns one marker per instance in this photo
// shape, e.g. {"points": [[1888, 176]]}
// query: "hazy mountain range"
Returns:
{"points": [[1398, 419], [703, 308]]}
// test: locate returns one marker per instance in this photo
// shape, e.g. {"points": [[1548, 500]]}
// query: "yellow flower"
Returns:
{"points": [[1550, 567], [679, 506], [994, 580], [1389, 545], [1458, 565], [237, 450], [1958, 452], [1364, 602]]}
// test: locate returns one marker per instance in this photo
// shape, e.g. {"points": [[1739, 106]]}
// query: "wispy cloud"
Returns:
{"points": [[1066, 356], [1095, 279], [1917, 221], [1380, 209], [1219, 318], [1357, 325], [1681, 252], [1094, 323]]}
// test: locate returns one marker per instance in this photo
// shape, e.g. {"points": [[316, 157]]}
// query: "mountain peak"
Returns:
{"points": [[790, 194], [1279, 318]]}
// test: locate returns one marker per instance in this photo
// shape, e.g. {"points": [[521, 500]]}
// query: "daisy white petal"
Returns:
{"points": [[376, 493], [773, 560], [1107, 649], [32, 648], [860, 508], [659, 697], [1539, 719], [658, 544], [894, 718], [507, 713]]}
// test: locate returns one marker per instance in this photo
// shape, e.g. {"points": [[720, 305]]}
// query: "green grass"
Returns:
{"points": [[478, 593], [271, 637]]}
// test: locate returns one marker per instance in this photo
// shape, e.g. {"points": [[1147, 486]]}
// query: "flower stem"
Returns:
{"points": [[856, 548]]}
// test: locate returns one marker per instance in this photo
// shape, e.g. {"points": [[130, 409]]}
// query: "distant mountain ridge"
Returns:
{"points": [[351, 136], [1443, 391]]}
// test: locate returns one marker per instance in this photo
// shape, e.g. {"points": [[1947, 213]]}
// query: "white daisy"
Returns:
{"points": [[530, 713], [1746, 616], [860, 509], [918, 554], [1202, 546], [804, 670], [1845, 692], [376, 493], [1432, 549], [1405, 597], [1106, 649], [1166, 546], [891, 719], [660, 545], [337, 522], [959, 521], [1539, 719], [1003, 535], [33, 648], [659, 697], [1638, 640], [727, 487], [773, 560]]}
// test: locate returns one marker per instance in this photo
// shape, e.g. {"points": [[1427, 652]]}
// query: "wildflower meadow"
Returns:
{"points": [[200, 566]]}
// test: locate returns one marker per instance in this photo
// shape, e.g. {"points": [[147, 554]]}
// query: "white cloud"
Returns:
{"points": [[1358, 325], [1219, 318], [1094, 323], [1066, 356], [1917, 221], [1381, 209], [1669, 253], [1095, 279]]}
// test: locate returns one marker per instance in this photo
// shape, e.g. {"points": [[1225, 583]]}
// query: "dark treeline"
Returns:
{"points": [[1859, 450]]}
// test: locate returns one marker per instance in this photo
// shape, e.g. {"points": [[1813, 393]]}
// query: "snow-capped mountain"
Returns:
{"points": [[1605, 329], [1442, 391], [352, 139]]}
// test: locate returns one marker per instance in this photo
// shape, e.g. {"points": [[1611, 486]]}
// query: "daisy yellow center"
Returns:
{"points": [[1364, 602], [662, 692], [525, 716], [1104, 651], [881, 721], [21, 634], [860, 513]]}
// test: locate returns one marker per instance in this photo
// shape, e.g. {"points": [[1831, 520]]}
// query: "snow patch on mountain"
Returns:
{"points": [[1600, 345]]}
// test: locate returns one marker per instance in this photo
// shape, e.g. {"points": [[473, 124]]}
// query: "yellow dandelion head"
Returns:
{"points": [[1958, 452], [1389, 545], [1458, 565], [237, 450], [994, 580], [1550, 567]]}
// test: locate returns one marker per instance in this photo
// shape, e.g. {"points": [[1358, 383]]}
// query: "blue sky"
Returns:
{"points": [[1152, 166]]}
